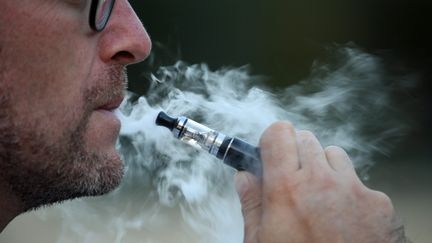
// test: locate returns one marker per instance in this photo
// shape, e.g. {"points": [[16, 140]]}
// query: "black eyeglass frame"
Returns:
{"points": [[94, 24]]}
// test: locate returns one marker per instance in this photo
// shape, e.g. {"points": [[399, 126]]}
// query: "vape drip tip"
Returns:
{"points": [[233, 151]]}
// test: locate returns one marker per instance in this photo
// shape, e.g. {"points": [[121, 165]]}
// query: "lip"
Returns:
{"points": [[112, 104]]}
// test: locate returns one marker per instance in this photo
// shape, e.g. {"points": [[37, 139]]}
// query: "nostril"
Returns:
{"points": [[123, 56]]}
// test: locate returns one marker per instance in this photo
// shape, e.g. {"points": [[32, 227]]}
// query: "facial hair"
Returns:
{"points": [[42, 172]]}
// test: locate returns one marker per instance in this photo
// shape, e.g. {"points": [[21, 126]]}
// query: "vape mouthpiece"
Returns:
{"points": [[166, 121], [233, 151]]}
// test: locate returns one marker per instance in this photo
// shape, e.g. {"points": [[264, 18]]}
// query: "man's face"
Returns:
{"points": [[59, 81]]}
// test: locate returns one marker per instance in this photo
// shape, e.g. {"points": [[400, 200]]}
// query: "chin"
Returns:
{"points": [[94, 174], [96, 164], [86, 175], [81, 161], [105, 176]]}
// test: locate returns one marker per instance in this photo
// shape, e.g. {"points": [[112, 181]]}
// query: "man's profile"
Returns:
{"points": [[57, 90]]}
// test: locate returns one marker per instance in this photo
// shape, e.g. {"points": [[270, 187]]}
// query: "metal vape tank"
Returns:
{"points": [[233, 151]]}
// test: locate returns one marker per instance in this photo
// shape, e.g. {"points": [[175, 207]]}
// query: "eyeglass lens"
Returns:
{"points": [[103, 12]]}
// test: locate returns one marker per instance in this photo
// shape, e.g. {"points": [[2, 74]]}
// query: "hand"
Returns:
{"points": [[310, 194]]}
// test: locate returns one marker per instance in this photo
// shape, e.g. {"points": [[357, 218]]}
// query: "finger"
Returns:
{"points": [[278, 148], [311, 154], [338, 159], [280, 163], [249, 191]]}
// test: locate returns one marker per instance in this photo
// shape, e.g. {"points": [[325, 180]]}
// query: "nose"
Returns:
{"points": [[124, 40]]}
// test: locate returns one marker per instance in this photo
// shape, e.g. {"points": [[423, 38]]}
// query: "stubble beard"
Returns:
{"points": [[42, 172]]}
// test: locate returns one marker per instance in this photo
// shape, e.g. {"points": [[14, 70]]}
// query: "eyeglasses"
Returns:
{"points": [[100, 12]]}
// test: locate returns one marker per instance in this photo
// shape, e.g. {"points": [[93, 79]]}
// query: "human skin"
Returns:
{"points": [[59, 82], [310, 194]]}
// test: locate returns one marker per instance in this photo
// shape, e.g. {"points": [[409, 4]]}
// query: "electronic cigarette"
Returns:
{"points": [[233, 151]]}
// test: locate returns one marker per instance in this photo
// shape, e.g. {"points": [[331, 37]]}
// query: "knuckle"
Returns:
{"points": [[326, 181], [250, 204], [323, 180], [287, 186], [381, 201], [359, 190]]}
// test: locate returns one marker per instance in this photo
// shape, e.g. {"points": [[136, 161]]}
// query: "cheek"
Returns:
{"points": [[46, 90], [47, 70]]}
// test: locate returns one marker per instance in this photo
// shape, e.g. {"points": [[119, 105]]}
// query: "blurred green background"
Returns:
{"points": [[281, 38]]}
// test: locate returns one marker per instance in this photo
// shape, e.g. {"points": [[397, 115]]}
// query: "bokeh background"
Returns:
{"points": [[281, 39]]}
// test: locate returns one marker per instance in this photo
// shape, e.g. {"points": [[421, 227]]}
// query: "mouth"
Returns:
{"points": [[111, 104]]}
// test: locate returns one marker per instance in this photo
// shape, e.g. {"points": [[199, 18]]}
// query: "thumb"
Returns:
{"points": [[249, 190]]}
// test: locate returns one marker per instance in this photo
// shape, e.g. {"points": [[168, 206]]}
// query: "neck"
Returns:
{"points": [[10, 205]]}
